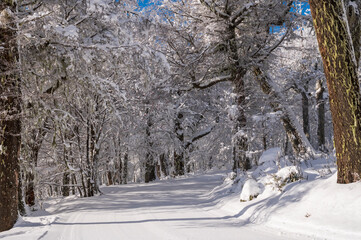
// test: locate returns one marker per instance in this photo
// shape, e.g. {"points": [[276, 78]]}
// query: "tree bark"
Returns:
{"points": [[10, 122], [340, 67]]}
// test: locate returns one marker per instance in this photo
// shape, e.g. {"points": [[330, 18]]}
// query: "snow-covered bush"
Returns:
{"points": [[250, 190], [286, 175]]}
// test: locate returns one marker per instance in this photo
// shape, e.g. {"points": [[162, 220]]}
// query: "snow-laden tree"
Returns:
{"points": [[211, 42]]}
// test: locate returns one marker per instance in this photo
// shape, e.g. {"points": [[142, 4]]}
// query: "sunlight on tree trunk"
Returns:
{"points": [[340, 66]]}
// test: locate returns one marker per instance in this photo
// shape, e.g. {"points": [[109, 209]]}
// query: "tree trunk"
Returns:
{"points": [[321, 139], [66, 181], [300, 144], [305, 113], [179, 153], [21, 204], [163, 161], [240, 139], [125, 168], [74, 183], [109, 178], [149, 159], [340, 67], [120, 170], [10, 122]]}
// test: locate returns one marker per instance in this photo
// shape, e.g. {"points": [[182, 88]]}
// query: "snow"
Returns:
{"points": [[269, 155], [250, 190], [286, 172], [98, 5], [207, 206], [70, 31]]}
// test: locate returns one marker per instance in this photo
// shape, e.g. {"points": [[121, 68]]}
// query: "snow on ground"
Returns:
{"points": [[310, 206]]}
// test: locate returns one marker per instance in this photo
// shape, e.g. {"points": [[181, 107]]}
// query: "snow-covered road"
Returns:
{"points": [[170, 209]]}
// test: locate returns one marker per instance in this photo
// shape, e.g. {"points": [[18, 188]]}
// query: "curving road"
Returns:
{"points": [[172, 209]]}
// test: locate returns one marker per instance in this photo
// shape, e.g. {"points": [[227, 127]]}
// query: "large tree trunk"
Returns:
{"points": [[240, 139], [10, 124], [340, 66]]}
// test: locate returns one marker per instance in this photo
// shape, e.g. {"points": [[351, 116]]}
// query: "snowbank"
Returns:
{"points": [[250, 190], [303, 200]]}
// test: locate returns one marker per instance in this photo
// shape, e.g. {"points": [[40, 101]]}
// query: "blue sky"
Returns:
{"points": [[143, 3]]}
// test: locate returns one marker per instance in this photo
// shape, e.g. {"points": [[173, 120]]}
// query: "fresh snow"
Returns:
{"points": [[207, 206], [269, 155], [250, 190]]}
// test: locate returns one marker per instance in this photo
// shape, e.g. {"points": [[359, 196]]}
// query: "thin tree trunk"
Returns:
{"points": [[300, 144], [340, 67], [163, 161], [65, 188], [179, 153], [320, 101], [305, 113], [125, 168], [120, 170], [149, 159], [10, 122]]}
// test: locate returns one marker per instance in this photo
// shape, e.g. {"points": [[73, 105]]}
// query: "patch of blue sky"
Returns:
{"points": [[147, 4], [300, 7]]}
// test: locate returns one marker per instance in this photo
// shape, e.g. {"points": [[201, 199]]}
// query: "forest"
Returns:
{"points": [[98, 93]]}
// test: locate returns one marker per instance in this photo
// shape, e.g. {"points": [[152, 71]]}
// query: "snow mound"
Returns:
{"points": [[250, 190], [288, 174], [270, 155]]}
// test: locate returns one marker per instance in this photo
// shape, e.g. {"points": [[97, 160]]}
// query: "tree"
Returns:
{"points": [[340, 66], [223, 41], [10, 122]]}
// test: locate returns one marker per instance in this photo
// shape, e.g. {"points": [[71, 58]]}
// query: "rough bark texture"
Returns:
{"points": [[340, 68], [10, 125]]}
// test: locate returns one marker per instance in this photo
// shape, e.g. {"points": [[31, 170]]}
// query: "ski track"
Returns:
{"points": [[177, 209]]}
